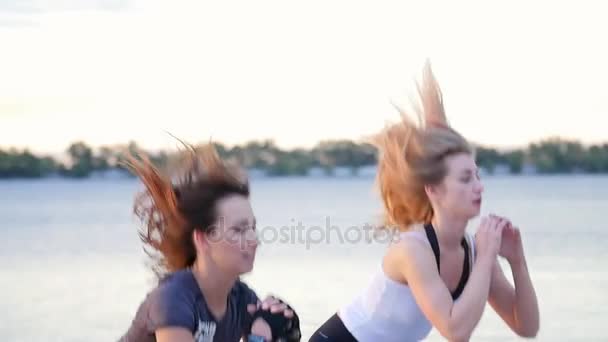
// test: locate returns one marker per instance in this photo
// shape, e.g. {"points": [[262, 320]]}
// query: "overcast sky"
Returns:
{"points": [[110, 71]]}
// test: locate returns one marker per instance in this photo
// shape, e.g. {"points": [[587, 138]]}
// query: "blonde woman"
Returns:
{"points": [[435, 274]]}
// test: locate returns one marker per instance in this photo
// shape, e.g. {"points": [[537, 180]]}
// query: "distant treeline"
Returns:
{"points": [[548, 156]]}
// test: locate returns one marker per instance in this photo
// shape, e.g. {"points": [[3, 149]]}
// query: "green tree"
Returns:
{"points": [[81, 160]]}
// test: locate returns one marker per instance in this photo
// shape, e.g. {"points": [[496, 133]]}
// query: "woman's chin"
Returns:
{"points": [[474, 213], [246, 267]]}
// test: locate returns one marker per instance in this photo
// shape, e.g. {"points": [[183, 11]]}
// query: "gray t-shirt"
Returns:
{"points": [[178, 302]]}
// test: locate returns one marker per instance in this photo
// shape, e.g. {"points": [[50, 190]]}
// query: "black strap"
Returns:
{"points": [[464, 277], [465, 271], [430, 234]]}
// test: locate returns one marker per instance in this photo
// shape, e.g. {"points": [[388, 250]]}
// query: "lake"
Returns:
{"points": [[72, 267]]}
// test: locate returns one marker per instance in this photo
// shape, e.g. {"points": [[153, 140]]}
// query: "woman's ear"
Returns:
{"points": [[199, 239], [431, 191]]}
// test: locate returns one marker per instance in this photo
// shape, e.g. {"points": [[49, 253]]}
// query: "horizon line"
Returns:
{"points": [[284, 147]]}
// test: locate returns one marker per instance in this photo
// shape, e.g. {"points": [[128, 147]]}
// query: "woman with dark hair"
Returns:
{"points": [[199, 229]]}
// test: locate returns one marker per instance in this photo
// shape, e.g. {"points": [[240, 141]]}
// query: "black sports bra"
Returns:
{"points": [[432, 236]]}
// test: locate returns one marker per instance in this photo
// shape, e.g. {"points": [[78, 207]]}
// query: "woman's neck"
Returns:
{"points": [[215, 287], [450, 230]]}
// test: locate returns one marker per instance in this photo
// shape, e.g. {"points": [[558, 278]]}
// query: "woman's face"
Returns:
{"points": [[459, 193], [233, 242]]}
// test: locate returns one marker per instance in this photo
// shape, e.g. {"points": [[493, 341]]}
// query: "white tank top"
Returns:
{"points": [[386, 310]]}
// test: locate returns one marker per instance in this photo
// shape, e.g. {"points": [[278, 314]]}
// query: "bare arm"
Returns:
{"points": [[518, 306], [174, 334], [454, 321]]}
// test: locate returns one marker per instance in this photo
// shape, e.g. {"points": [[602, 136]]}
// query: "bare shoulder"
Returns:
{"points": [[410, 249], [413, 241]]}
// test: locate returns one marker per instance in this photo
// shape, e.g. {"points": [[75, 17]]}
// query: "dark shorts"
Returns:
{"points": [[332, 331]]}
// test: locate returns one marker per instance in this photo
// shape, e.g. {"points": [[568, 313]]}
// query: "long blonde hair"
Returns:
{"points": [[412, 156]]}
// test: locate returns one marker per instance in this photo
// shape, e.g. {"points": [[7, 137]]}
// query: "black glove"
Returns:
{"points": [[282, 328]]}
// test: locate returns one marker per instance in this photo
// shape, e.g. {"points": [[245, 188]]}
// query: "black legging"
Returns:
{"points": [[332, 331]]}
